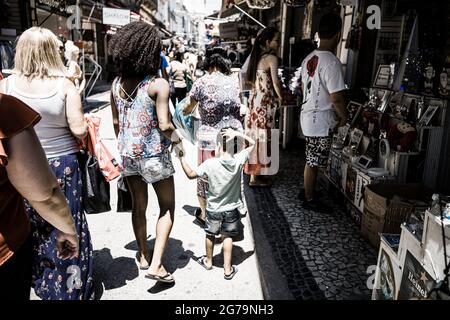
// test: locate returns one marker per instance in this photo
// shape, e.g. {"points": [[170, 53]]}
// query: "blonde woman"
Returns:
{"points": [[39, 80], [74, 73]]}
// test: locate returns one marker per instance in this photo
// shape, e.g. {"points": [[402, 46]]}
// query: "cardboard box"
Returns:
{"points": [[382, 214], [372, 225]]}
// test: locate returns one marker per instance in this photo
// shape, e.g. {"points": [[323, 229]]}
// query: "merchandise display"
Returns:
{"points": [[387, 139]]}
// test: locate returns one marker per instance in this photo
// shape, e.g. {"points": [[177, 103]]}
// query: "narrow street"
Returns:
{"points": [[301, 254], [116, 274]]}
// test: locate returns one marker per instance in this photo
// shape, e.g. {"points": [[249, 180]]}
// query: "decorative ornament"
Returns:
{"points": [[428, 82], [443, 83]]}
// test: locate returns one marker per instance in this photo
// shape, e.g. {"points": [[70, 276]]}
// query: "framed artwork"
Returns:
{"points": [[382, 78], [354, 110], [356, 138], [428, 116], [380, 98]]}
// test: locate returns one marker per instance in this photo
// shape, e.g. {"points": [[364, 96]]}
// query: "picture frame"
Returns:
{"points": [[383, 76], [382, 98], [354, 111], [428, 115], [356, 138]]}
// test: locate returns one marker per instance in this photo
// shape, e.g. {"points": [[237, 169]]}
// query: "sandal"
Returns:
{"points": [[234, 270], [201, 261], [168, 278]]}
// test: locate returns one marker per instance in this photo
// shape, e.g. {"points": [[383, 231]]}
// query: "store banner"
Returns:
{"points": [[116, 17]]}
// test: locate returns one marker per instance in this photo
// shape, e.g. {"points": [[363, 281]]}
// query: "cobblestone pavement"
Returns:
{"points": [[321, 256]]}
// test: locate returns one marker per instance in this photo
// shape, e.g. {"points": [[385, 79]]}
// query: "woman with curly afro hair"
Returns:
{"points": [[142, 122]]}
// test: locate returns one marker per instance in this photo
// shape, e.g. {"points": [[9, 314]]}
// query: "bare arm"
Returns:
{"points": [[190, 106], [338, 100], [3, 86], [191, 174], [115, 115], [82, 86], [231, 134], [161, 91], [74, 111], [36, 182], [273, 62]]}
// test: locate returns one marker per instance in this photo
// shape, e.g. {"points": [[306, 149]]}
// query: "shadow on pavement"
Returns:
{"points": [[190, 209], [159, 287], [112, 273], [175, 256], [239, 256]]}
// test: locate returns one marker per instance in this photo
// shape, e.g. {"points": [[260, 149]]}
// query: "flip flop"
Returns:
{"points": [[201, 261], [232, 274], [168, 278]]}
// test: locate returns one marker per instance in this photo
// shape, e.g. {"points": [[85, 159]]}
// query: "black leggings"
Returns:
{"points": [[16, 273], [180, 94]]}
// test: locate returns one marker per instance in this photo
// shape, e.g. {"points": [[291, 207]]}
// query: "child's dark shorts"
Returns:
{"points": [[223, 223]]}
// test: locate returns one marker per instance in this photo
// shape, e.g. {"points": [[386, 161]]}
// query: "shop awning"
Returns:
{"points": [[228, 8]]}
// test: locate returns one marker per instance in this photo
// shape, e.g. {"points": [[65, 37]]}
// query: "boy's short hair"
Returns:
{"points": [[329, 26]]}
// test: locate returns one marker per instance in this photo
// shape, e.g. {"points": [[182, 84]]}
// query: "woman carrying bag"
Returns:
{"points": [[39, 80], [142, 122]]}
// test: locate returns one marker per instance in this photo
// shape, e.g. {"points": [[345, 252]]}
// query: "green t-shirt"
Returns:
{"points": [[224, 177]]}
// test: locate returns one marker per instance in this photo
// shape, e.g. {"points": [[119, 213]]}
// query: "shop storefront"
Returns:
{"points": [[393, 154]]}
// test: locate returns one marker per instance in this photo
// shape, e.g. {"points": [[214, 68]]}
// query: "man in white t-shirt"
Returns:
{"points": [[323, 109]]}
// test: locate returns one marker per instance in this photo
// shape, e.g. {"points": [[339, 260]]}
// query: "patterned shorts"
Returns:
{"points": [[318, 151], [151, 170]]}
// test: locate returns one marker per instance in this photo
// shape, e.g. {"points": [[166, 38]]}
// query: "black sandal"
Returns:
{"points": [[234, 270]]}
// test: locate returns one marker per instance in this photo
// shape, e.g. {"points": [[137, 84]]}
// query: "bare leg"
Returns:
{"points": [[165, 192], [310, 182], [209, 244], [202, 202], [227, 254], [139, 194]]}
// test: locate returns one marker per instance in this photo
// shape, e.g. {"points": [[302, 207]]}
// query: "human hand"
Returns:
{"points": [[179, 150], [229, 134], [67, 245]]}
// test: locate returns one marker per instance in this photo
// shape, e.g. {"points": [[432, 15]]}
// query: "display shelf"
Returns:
{"points": [[413, 270]]}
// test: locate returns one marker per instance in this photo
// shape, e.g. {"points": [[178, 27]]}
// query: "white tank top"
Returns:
{"points": [[53, 129]]}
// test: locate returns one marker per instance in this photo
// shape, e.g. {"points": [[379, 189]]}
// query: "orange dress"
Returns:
{"points": [[15, 117], [260, 120]]}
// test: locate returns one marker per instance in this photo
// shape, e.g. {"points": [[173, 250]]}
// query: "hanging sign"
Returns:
{"points": [[116, 17]]}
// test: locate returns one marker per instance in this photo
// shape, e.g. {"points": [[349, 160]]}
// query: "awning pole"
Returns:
{"points": [[248, 15]]}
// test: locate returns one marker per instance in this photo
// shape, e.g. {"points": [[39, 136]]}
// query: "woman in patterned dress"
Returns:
{"points": [[40, 81], [140, 106], [218, 98], [264, 100]]}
